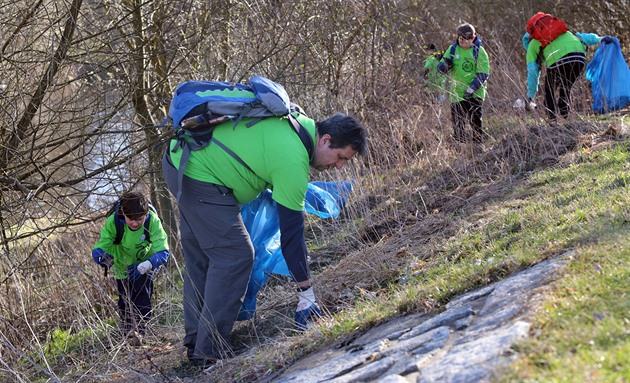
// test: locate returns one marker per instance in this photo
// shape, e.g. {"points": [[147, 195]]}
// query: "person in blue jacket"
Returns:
{"points": [[565, 59], [133, 243]]}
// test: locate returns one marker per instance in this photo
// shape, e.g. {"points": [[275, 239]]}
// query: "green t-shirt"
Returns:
{"points": [[133, 247], [465, 69], [270, 147], [563, 45]]}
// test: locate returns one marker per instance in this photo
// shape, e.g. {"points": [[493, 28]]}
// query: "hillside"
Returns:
{"points": [[570, 193], [85, 91], [486, 215]]}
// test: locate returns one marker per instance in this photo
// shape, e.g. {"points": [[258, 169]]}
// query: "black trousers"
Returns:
{"points": [[134, 302], [560, 80], [471, 111]]}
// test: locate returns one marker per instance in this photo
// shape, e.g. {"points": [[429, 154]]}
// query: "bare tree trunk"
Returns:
{"points": [[144, 48], [21, 129]]}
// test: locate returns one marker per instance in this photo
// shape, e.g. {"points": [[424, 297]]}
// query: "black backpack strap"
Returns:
{"points": [[231, 153], [147, 223], [182, 165], [304, 135], [120, 226]]}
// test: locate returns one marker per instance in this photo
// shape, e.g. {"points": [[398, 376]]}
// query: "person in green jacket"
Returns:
{"points": [[133, 243], [434, 80], [565, 59], [469, 67]]}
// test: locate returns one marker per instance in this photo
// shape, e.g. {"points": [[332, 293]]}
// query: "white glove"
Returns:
{"points": [[305, 299], [144, 267], [519, 104], [307, 311], [531, 105]]}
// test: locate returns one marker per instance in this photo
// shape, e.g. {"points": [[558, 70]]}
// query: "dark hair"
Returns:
{"points": [[466, 30], [344, 130], [134, 204]]}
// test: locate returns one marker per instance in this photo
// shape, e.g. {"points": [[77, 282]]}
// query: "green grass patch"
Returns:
{"points": [[584, 325], [584, 206]]}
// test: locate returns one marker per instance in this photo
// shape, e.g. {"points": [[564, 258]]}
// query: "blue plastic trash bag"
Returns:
{"points": [[260, 218], [610, 77], [338, 190]]}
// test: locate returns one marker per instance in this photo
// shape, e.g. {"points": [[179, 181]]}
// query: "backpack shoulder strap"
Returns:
{"points": [[120, 227], [475, 51], [147, 223], [304, 135], [231, 153], [300, 130]]}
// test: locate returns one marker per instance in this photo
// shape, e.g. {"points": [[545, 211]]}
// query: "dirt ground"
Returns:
{"points": [[352, 264]]}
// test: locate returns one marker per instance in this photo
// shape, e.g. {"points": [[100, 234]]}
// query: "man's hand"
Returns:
{"points": [[307, 311], [606, 40], [469, 93], [530, 105], [144, 267]]}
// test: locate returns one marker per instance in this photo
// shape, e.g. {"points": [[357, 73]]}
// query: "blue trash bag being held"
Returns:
{"points": [[320, 203], [610, 77], [260, 217]]}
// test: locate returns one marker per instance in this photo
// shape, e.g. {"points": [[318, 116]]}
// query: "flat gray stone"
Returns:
{"points": [[476, 360], [421, 344], [445, 318], [392, 379], [334, 367], [367, 373], [465, 343]]}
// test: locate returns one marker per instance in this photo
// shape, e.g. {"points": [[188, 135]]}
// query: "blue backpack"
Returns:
{"points": [[198, 107]]}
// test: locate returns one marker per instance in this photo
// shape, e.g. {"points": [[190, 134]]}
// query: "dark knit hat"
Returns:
{"points": [[466, 31]]}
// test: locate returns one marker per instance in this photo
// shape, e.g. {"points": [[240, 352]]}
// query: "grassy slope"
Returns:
{"points": [[582, 203], [470, 232], [582, 331]]}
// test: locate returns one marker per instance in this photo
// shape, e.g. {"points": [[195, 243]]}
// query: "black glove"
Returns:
{"points": [[606, 40], [102, 258]]}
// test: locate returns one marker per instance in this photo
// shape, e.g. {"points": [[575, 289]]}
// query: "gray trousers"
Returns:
{"points": [[218, 258]]}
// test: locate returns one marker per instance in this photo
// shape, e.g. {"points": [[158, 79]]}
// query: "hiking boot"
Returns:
{"points": [[305, 319], [202, 363]]}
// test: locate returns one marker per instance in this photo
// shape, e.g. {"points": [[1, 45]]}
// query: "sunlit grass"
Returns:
{"points": [[584, 206], [584, 325]]}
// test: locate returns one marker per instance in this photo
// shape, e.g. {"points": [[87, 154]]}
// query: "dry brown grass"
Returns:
{"points": [[415, 190]]}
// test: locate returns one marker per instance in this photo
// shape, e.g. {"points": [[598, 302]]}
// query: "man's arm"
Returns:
{"points": [[295, 254], [293, 245]]}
